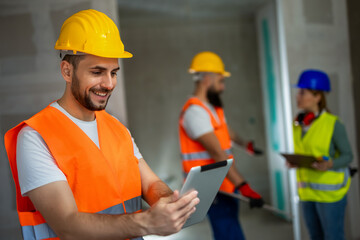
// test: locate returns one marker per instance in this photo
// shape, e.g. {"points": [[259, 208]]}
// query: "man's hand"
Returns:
{"points": [[252, 150], [255, 198], [169, 214]]}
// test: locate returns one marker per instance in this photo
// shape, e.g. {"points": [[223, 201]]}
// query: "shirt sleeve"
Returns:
{"points": [[36, 166], [340, 143], [137, 153], [196, 122]]}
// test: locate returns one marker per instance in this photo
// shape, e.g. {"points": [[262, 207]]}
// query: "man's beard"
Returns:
{"points": [[214, 98], [85, 99]]}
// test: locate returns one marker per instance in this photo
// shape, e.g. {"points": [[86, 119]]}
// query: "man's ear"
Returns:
{"points": [[207, 80], [66, 70]]}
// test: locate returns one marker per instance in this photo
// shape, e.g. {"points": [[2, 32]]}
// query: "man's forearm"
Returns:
{"points": [[212, 145], [57, 205], [165, 217], [234, 175], [236, 139], [220, 155], [102, 226]]}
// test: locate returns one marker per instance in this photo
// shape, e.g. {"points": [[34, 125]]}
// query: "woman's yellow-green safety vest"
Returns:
{"points": [[314, 185]]}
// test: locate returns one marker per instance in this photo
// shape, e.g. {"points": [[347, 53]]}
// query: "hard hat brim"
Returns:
{"points": [[305, 87], [124, 54], [225, 74]]}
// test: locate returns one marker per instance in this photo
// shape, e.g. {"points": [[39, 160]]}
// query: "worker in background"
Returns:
{"points": [[322, 189], [78, 173], [206, 138]]}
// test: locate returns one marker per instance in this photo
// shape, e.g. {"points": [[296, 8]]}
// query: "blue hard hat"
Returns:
{"points": [[315, 80]]}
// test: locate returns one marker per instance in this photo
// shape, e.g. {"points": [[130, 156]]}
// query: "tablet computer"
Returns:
{"points": [[207, 180], [299, 160]]}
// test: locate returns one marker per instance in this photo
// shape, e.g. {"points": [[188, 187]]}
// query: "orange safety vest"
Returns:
{"points": [[105, 180], [193, 153]]}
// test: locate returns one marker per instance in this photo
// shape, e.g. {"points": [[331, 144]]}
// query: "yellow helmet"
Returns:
{"points": [[92, 32], [208, 62]]}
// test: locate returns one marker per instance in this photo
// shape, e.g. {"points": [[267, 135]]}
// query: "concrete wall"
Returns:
{"points": [[30, 78], [157, 85], [317, 37]]}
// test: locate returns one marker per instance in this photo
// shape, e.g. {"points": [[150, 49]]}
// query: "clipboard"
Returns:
{"points": [[299, 160], [207, 180]]}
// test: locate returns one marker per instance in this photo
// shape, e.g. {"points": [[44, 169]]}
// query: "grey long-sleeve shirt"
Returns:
{"points": [[339, 142]]}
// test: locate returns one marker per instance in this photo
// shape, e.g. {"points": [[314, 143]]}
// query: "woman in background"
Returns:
{"points": [[323, 188]]}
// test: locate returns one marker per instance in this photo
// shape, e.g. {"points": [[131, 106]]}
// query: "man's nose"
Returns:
{"points": [[108, 82]]}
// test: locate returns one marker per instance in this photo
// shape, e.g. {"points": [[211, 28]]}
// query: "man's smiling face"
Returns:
{"points": [[94, 80]]}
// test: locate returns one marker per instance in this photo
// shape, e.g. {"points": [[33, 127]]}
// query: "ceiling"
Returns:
{"points": [[159, 8], [189, 8]]}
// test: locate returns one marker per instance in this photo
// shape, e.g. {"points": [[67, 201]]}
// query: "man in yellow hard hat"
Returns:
{"points": [[78, 173], [206, 138]]}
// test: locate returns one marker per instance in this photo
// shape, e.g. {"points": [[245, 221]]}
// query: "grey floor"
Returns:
{"points": [[256, 223]]}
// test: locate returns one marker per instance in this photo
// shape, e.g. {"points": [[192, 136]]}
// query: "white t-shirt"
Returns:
{"points": [[197, 121], [36, 165]]}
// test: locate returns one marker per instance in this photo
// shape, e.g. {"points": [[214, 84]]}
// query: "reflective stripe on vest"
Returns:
{"points": [[133, 205], [110, 165], [313, 185], [43, 231], [193, 153], [37, 232], [117, 209], [200, 155], [327, 187]]}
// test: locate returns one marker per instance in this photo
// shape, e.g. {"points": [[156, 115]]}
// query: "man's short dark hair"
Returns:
{"points": [[73, 60]]}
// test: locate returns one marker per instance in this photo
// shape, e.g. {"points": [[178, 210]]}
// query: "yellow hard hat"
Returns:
{"points": [[92, 32], [208, 62]]}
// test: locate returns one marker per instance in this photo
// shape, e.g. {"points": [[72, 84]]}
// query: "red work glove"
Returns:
{"points": [[252, 150], [255, 199]]}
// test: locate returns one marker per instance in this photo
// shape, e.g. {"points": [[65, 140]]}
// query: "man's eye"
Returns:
{"points": [[96, 73], [114, 74]]}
